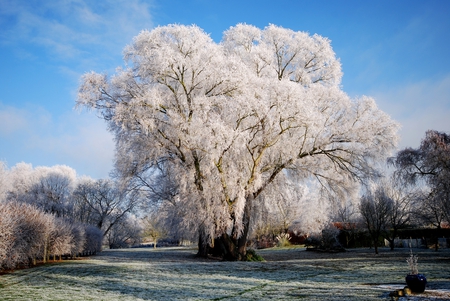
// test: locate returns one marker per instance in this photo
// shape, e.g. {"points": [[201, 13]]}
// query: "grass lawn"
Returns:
{"points": [[176, 274]]}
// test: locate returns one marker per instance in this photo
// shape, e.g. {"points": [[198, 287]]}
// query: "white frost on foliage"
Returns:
{"points": [[228, 118]]}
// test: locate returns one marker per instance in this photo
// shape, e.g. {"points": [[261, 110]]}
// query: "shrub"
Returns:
{"points": [[326, 241], [283, 240], [252, 256], [61, 239], [27, 234], [7, 224], [94, 238], [78, 239], [313, 241]]}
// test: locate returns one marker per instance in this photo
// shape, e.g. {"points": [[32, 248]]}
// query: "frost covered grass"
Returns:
{"points": [[176, 274]]}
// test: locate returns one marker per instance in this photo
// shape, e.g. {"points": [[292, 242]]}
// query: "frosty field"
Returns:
{"points": [[176, 274]]}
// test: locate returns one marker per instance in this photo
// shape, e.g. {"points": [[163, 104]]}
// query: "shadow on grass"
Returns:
{"points": [[176, 274]]}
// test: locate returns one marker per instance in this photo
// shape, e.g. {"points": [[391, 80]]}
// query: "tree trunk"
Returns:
{"points": [[234, 247], [375, 237], [436, 239], [375, 246], [226, 248], [44, 259], [391, 243], [202, 243], [392, 238], [242, 240], [348, 237]]}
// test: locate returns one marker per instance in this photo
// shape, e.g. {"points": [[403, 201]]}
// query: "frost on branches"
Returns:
{"points": [[228, 119]]}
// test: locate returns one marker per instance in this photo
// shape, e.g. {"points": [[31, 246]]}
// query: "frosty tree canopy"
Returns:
{"points": [[227, 119]]}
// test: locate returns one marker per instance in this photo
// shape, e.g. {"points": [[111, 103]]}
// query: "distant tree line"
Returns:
{"points": [[27, 234], [412, 201], [49, 212], [416, 195]]}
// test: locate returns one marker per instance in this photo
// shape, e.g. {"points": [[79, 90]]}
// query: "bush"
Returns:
{"points": [[7, 223], [94, 238], [252, 256], [78, 239], [283, 240], [326, 241], [313, 241], [27, 234], [61, 239]]}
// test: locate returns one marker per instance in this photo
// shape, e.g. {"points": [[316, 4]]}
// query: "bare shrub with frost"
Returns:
{"points": [[37, 216], [78, 239], [7, 223], [61, 239], [28, 234], [413, 265]]}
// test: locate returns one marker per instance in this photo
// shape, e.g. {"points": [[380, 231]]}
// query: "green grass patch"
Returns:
{"points": [[251, 255]]}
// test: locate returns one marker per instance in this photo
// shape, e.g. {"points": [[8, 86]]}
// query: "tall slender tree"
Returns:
{"points": [[374, 208]]}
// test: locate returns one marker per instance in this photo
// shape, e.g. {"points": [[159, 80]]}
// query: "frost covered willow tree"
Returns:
{"points": [[230, 118]]}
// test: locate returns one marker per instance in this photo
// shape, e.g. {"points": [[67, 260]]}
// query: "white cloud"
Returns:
{"points": [[73, 36], [74, 29], [419, 107], [17, 120], [11, 120], [80, 141]]}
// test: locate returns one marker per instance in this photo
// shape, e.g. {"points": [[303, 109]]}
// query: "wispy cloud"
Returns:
{"points": [[12, 120], [74, 37], [74, 29], [74, 139]]}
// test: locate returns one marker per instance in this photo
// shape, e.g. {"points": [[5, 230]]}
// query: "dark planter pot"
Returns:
{"points": [[416, 283]]}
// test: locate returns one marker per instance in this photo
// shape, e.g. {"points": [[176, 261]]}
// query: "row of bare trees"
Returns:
{"points": [[27, 234], [386, 208], [64, 207], [417, 194]]}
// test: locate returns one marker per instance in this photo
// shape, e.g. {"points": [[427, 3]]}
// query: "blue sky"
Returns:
{"points": [[395, 51]]}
